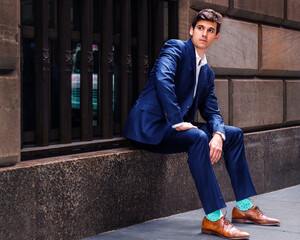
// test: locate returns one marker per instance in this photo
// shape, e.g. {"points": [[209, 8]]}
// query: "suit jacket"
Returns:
{"points": [[167, 98]]}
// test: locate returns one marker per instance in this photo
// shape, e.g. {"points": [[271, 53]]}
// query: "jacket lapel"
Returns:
{"points": [[191, 53]]}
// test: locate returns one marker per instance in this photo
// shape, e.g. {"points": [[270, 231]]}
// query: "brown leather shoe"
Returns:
{"points": [[253, 215], [223, 228]]}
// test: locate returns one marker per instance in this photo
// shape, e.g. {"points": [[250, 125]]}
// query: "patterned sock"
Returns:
{"points": [[214, 216], [244, 205]]}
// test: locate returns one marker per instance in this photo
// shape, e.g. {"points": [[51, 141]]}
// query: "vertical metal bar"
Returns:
{"points": [[126, 58], [173, 19], [158, 26], [42, 74], [106, 69], [142, 44], [65, 70], [86, 69]]}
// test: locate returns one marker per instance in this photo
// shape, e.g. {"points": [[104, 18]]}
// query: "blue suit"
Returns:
{"points": [[168, 99]]}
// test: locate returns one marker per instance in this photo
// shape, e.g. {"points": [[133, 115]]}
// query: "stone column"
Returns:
{"points": [[10, 124]]}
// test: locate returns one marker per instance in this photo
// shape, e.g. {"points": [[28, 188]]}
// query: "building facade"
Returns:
{"points": [[70, 71]]}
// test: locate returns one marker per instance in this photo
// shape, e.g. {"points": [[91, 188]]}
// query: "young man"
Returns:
{"points": [[162, 120]]}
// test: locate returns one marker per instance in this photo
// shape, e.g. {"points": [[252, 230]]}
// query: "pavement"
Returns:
{"points": [[283, 204]]}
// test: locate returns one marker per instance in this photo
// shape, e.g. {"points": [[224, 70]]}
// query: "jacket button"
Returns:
{"points": [[187, 106]]}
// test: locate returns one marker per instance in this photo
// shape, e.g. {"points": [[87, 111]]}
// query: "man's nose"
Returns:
{"points": [[204, 32]]}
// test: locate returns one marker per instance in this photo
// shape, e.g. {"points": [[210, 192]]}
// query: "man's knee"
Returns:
{"points": [[198, 136], [234, 133]]}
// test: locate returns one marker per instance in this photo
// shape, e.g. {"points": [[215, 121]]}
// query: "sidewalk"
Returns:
{"points": [[283, 204]]}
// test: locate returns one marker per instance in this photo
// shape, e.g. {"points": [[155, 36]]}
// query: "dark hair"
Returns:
{"points": [[208, 15]]}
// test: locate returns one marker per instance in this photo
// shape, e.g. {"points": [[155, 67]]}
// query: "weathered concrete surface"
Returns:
{"points": [[10, 124], [183, 20], [280, 52], [256, 102], [82, 195], [292, 100], [236, 51], [9, 34], [281, 158], [271, 11]]}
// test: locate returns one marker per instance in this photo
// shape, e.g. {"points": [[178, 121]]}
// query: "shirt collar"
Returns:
{"points": [[198, 58]]}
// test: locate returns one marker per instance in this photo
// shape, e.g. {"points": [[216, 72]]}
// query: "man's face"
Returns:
{"points": [[204, 34]]}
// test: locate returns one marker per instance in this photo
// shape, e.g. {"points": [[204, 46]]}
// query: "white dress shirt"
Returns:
{"points": [[199, 63]]}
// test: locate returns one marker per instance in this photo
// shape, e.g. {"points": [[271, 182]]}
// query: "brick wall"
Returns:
{"points": [[256, 60]]}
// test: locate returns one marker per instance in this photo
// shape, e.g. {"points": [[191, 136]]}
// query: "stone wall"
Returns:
{"points": [[256, 60], [10, 94], [72, 197]]}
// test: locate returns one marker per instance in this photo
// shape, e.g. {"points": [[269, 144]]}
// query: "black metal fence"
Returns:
{"points": [[84, 63]]}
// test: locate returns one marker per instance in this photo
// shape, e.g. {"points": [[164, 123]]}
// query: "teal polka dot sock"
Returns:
{"points": [[244, 205], [214, 216]]}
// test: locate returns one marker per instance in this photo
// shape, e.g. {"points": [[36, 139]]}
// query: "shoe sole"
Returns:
{"points": [[206, 231], [239, 220]]}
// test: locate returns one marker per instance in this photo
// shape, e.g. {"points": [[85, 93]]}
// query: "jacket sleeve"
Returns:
{"points": [[166, 66], [211, 114]]}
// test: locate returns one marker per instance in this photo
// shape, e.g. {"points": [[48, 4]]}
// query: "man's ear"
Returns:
{"points": [[217, 36], [191, 31]]}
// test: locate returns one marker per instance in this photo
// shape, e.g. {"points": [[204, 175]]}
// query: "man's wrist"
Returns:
{"points": [[221, 134]]}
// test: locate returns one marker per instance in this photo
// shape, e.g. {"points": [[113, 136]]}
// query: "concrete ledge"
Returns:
{"points": [[82, 195]]}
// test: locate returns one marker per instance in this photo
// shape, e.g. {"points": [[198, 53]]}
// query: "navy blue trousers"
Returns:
{"points": [[195, 143]]}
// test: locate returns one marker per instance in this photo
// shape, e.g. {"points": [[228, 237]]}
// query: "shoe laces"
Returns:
{"points": [[260, 212], [226, 221]]}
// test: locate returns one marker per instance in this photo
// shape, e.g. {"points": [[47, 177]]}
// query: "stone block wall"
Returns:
{"points": [[10, 94], [256, 60]]}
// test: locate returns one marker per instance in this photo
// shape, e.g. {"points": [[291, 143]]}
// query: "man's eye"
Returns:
{"points": [[211, 30]]}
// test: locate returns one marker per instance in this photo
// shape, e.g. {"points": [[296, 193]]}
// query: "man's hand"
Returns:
{"points": [[215, 146], [185, 126]]}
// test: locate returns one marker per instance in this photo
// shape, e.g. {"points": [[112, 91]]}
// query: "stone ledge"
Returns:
{"points": [[81, 195]]}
